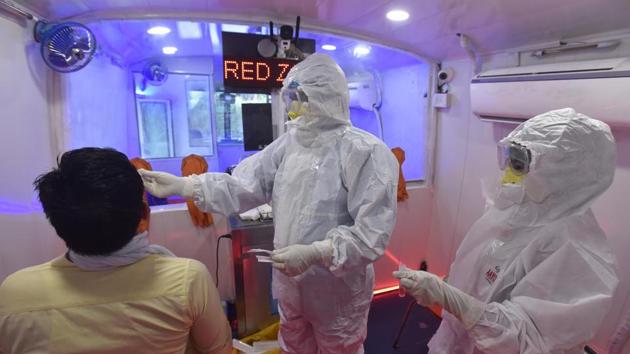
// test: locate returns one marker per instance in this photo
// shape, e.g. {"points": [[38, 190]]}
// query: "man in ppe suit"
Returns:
{"points": [[535, 273], [333, 189]]}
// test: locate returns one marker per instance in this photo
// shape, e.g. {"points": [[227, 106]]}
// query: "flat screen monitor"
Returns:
{"points": [[257, 126]]}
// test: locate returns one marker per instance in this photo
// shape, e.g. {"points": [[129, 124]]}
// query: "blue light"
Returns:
{"points": [[12, 208]]}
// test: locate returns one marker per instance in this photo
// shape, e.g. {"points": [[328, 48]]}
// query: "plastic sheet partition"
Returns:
{"points": [[171, 227]]}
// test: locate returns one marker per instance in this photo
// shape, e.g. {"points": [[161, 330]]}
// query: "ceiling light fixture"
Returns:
{"points": [[169, 50], [159, 30], [361, 50], [397, 15]]}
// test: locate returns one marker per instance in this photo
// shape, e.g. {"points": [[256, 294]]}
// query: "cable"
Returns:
{"points": [[216, 269], [376, 106], [379, 119], [464, 42], [423, 267]]}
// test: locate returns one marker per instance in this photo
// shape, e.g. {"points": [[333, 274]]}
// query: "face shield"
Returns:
{"points": [[295, 100], [515, 160]]}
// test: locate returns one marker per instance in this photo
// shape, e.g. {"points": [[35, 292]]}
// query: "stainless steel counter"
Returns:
{"points": [[255, 308]]}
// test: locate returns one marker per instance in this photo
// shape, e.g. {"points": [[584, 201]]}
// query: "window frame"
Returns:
{"points": [[172, 140], [211, 110], [169, 125]]}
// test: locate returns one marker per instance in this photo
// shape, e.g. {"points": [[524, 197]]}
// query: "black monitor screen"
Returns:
{"points": [[257, 126]]}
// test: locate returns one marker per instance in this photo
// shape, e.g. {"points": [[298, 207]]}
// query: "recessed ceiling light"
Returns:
{"points": [[159, 30], [169, 50], [398, 15], [361, 50], [329, 47]]}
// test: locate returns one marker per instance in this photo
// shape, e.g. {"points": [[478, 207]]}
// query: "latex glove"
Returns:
{"points": [[296, 259], [162, 184], [428, 290], [250, 215]]}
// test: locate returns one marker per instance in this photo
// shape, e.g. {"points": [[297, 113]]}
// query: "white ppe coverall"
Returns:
{"points": [[537, 259], [327, 181]]}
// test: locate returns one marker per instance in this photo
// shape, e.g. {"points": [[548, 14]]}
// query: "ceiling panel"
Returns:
{"points": [[492, 24], [190, 5], [55, 8]]}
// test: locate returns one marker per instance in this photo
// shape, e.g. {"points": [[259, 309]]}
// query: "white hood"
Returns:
{"points": [[325, 84], [573, 162]]}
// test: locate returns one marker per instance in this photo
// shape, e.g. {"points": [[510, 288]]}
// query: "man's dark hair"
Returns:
{"points": [[93, 199]]}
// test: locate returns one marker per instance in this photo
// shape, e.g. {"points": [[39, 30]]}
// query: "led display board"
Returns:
{"points": [[245, 70], [255, 73]]}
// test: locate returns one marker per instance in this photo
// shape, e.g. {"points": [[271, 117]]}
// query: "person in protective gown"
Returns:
{"points": [[333, 189], [535, 273]]}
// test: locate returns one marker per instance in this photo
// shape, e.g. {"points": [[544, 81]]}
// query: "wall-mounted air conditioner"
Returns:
{"points": [[597, 88], [364, 92]]}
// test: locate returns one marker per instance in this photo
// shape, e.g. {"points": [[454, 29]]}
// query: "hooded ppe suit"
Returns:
{"points": [[329, 183], [535, 273]]}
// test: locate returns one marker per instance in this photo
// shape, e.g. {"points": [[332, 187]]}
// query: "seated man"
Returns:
{"points": [[111, 292]]}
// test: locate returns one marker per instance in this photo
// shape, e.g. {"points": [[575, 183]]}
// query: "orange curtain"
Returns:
{"points": [[402, 186], [139, 163], [196, 165]]}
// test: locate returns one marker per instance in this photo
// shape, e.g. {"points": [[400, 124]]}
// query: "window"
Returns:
{"points": [[230, 114], [154, 125], [174, 116], [199, 122], [200, 114]]}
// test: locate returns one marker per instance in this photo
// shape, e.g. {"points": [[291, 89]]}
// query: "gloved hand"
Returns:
{"points": [[296, 259], [428, 289], [162, 184]]}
